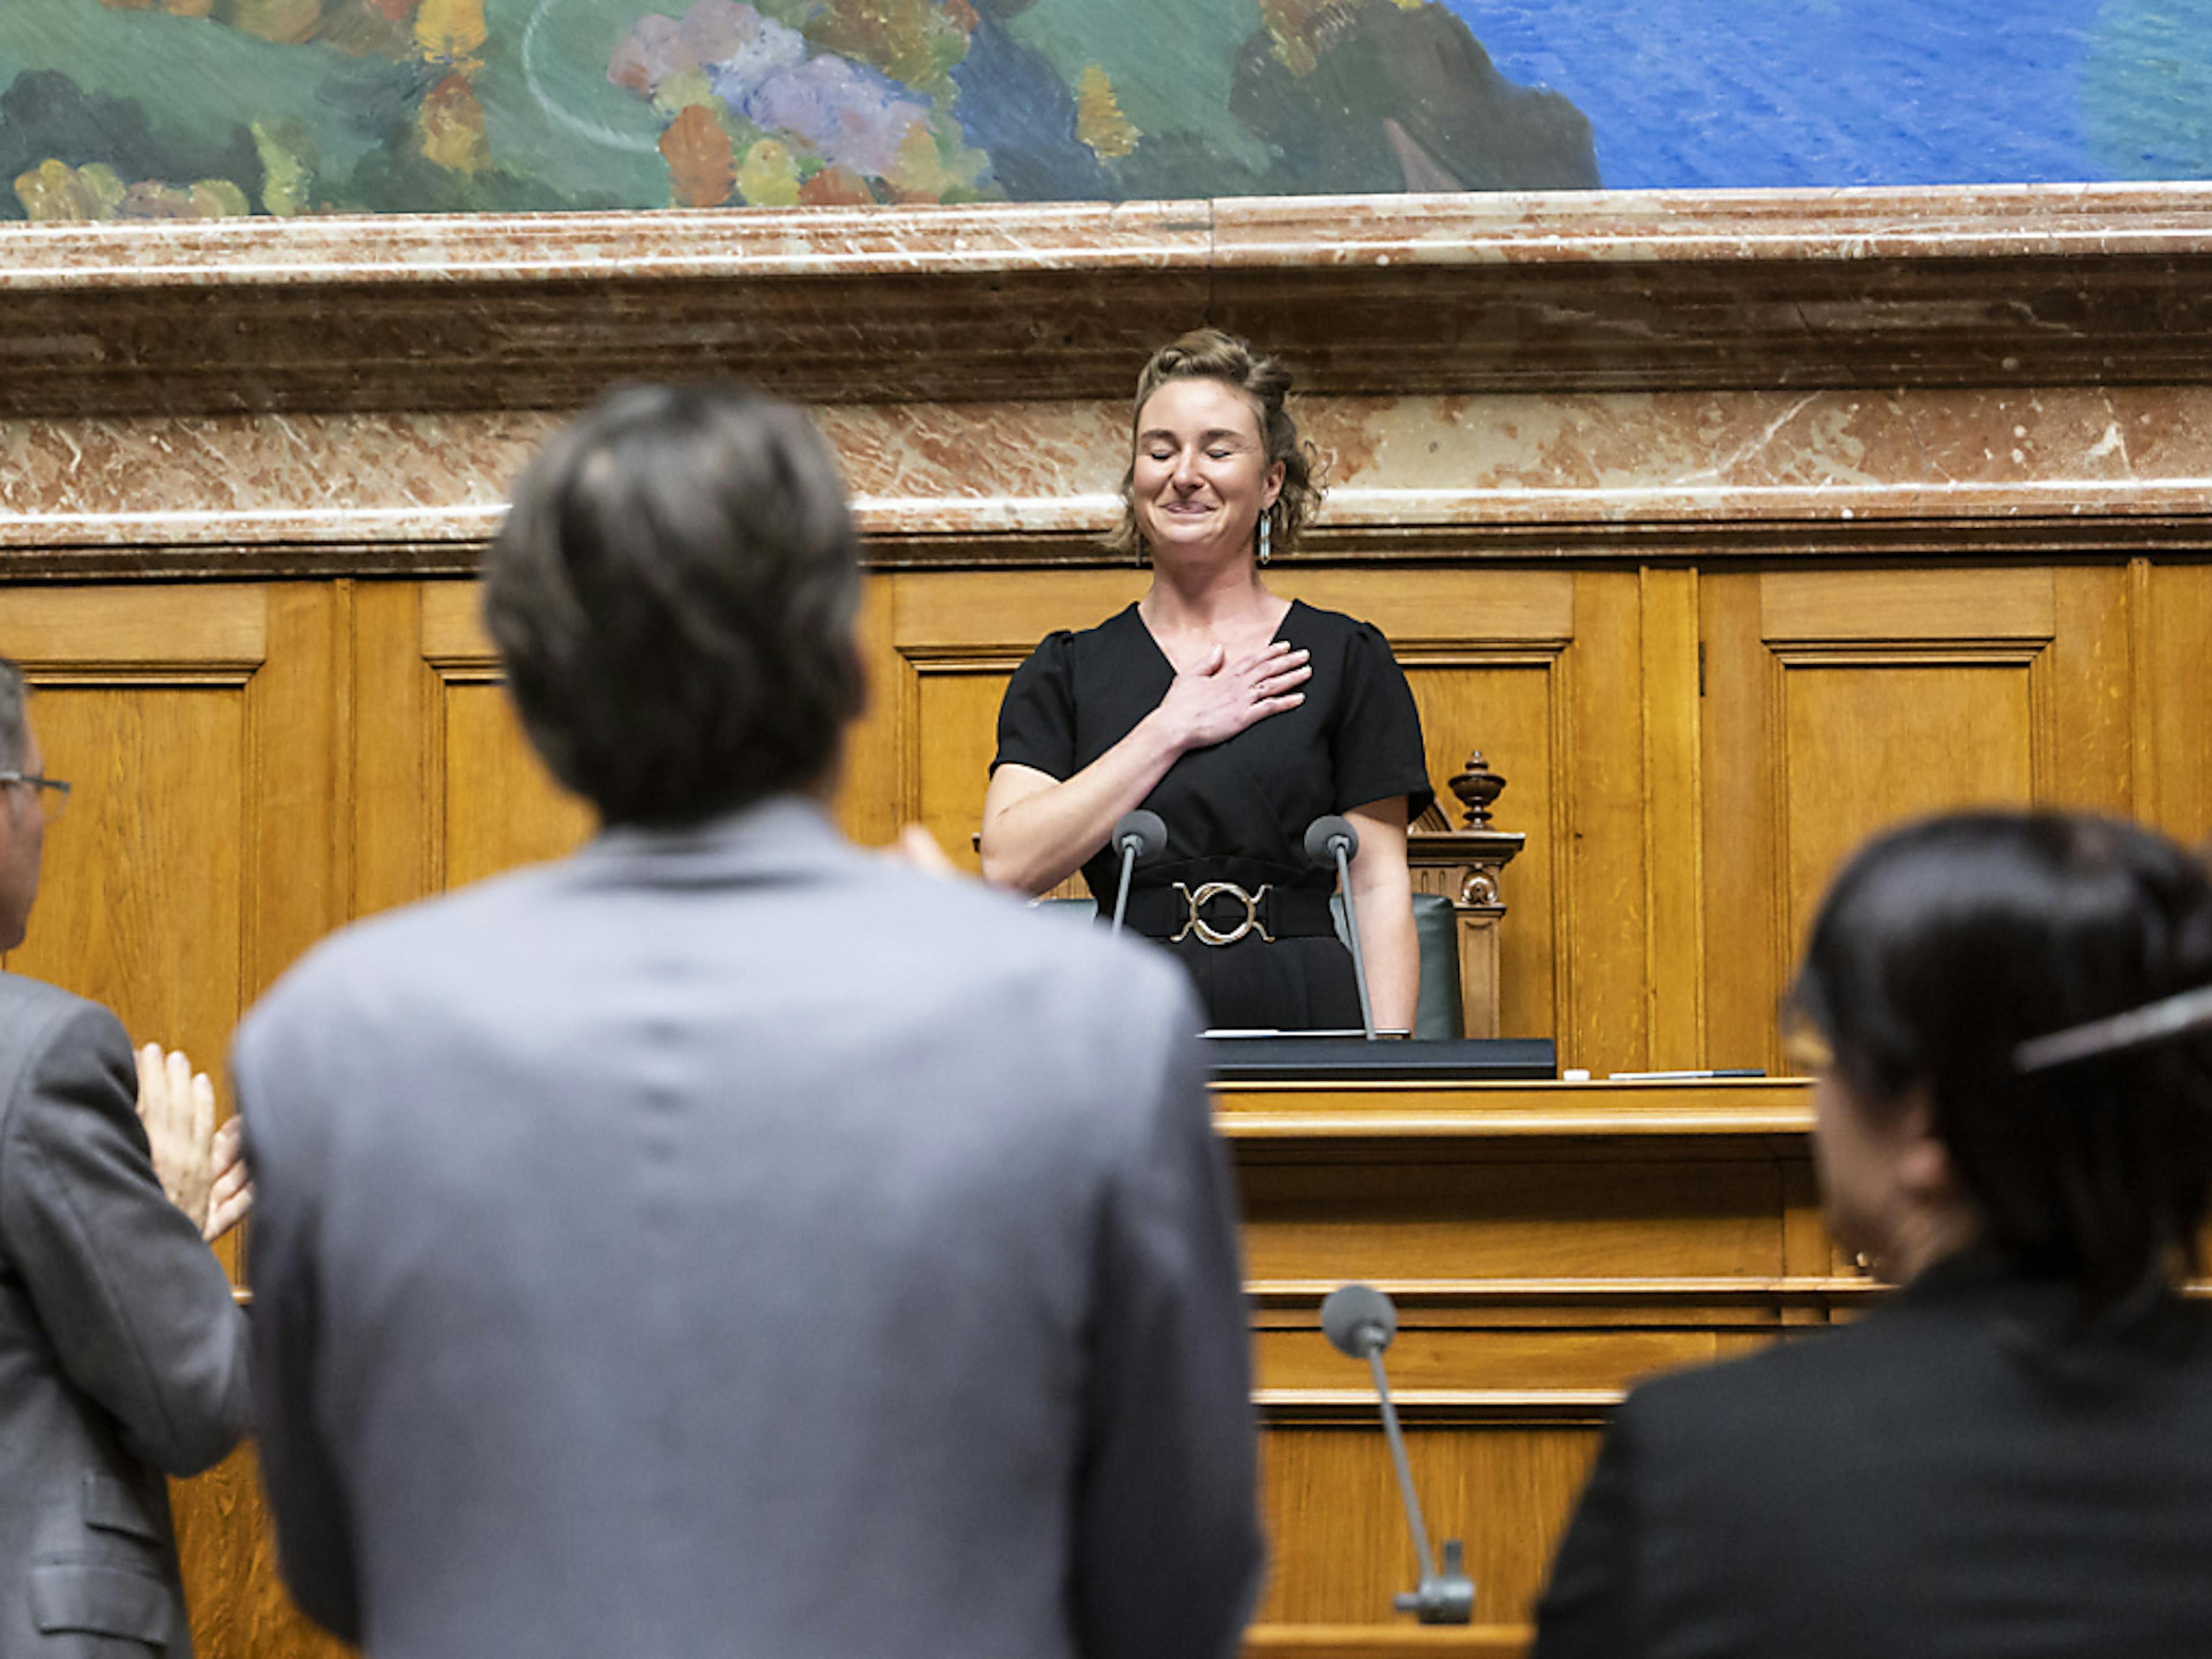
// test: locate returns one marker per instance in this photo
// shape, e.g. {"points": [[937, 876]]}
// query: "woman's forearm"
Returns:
{"points": [[1392, 951], [1383, 893], [1038, 831]]}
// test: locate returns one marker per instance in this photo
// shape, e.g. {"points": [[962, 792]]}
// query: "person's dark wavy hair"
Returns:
{"points": [[672, 595], [15, 729], [1944, 945], [1208, 353]]}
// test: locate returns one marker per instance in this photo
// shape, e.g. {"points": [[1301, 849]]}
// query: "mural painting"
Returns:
{"points": [[165, 108]]}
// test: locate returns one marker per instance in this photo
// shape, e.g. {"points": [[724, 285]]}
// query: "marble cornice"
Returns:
{"points": [[449, 542], [1595, 291]]}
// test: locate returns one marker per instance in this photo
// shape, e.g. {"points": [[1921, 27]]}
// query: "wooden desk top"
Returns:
{"points": [[1253, 1113]]}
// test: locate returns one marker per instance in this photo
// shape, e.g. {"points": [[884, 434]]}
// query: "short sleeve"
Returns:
{"points": [[1037, 721], [1376, 749]]}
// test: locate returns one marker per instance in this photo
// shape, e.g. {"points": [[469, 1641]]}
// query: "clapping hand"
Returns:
{"points": [[231, 1196], [202, 1169], [917, 848]]}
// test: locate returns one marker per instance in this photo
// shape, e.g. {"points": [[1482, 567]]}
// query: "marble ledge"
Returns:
{"points": [[1663, 226], [1358, 526], [1559, 227], [1050, 467], [671, 244]]}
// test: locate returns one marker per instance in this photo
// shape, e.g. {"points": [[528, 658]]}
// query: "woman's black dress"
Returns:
{"points": [[1236, 812]]}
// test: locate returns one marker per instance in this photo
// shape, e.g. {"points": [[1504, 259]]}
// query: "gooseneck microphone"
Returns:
{"points": [[1332, 840], [1139, 837], [1361, 1321]]}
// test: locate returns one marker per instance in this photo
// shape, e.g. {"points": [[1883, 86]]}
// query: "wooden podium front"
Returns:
{"points": [[1546, 1244]]}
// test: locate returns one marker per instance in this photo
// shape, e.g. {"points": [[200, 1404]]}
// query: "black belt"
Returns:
{"points": [[1222, 912]]}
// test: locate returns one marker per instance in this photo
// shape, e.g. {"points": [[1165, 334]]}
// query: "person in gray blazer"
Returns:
{"points": [[122, 1355], [2008, 1016], [728, 1241]]}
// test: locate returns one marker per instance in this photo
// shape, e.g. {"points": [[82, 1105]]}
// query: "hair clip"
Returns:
{"points": [[2155, 1022]]}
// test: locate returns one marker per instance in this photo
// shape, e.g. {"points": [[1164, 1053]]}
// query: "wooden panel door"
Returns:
{"points": [[1841, 701], [2170, 713], [450, 790], [202, 850]]}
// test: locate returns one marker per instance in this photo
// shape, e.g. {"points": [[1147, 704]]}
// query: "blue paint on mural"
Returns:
{"points": [[2147, 89], [1701, 93]]}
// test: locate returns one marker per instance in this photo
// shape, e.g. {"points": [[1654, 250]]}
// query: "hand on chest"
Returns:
{"points": [[1190, 653]]}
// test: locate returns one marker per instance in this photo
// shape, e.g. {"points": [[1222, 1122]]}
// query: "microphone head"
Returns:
{"points": [[1148, 830], [1322, 835], [1359, 1319]]}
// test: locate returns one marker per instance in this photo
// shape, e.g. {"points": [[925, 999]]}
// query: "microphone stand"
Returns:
{"points": [[1361, 1321], [1137, 835], [1332, 838]]}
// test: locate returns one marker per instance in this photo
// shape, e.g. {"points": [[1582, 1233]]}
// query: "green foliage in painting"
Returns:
{"points": [[122, 108]]}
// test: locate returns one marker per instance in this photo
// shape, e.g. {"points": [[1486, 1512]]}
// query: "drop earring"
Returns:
{"points": [[1264, 553]]}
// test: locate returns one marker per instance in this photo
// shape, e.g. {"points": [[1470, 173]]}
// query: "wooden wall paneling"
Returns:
{"points": [[141, 702], [300, 718], [1807, 1248], [500, 807], [870, 802], [1674, 847], [1500, 1479], [425, 679], [1839, 701], [1483, 650], [1734, 739], [1602, 923], [1897, 694], [2091, 687], [396, 756], [1540, 1215], [957, 638], [2170, 644], [201, 853], [1385, 1641], [1489, 1350]]}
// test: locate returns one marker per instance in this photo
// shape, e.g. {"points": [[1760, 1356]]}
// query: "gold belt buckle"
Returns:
{"points": [[1209, 935]]}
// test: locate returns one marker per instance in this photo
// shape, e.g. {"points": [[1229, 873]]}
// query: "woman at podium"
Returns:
{"points": [[1237, 715]]}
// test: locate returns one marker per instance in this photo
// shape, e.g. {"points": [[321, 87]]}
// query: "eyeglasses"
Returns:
{"points": [[35, 783]]}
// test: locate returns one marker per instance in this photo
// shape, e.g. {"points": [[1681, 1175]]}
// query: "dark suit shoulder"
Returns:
{"points": [[42, 1021], [31, 1005], [1778, 1387]]}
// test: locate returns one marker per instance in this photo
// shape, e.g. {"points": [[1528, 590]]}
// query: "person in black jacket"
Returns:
{"points": [[2013, 1122]]}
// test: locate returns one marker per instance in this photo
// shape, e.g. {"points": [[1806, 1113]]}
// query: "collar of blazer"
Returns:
{"points": [[783, 838], [2041, 1314]]}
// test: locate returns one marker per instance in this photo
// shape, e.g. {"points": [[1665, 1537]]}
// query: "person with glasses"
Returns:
{"points": [[122, 1352], [52, 793], [2009, 1019]]}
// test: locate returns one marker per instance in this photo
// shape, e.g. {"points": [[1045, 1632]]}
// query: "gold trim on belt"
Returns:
{"points": [[1209, 935]]}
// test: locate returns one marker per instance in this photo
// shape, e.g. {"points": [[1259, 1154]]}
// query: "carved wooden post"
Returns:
{"points": [[1464, 865]]}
